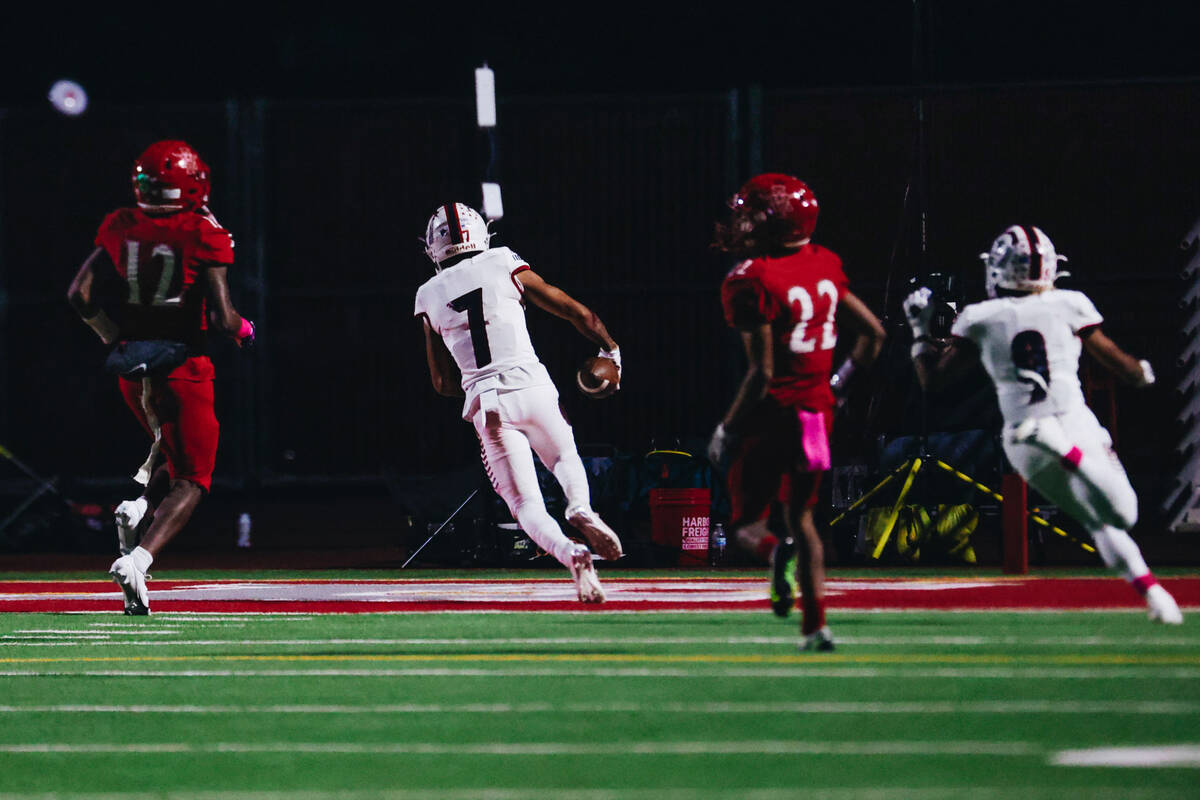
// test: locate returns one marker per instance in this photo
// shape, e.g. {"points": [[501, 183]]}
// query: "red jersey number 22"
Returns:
{"points": [[806, 337]]}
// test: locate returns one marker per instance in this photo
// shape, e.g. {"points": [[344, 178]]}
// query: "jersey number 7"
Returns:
{"points": [[472, 304]]}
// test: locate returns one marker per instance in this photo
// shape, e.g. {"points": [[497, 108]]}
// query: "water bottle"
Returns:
{"points": [[243, 530], [716, 544]]}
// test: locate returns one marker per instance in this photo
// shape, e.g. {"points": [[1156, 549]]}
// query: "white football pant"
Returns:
{"points": [[1097, 493], [524, 419]]}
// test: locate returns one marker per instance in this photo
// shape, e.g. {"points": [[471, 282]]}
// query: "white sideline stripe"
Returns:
{"points": [[765, 747], [156, 630], [706, 672], [935, 707], [98, 639], [128, 626], [1183, 755]]}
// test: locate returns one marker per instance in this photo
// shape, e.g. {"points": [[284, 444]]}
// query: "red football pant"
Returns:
{"points": [[184, 408], [774, 461]]}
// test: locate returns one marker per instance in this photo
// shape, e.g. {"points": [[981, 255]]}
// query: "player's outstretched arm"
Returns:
{"points": [[937, 362], [222, 316], [869, 331], [868, 340], [1116, 360], [83, 298], [557, 302], [443, 372]]}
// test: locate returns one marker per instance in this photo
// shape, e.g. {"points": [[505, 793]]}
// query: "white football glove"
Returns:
{"points": [[1147, 373], [919, 311], [614, 356], [719, 444]]}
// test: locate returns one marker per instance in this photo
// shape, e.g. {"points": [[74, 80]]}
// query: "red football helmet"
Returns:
{"points": [[769, 211], [170, 176]]}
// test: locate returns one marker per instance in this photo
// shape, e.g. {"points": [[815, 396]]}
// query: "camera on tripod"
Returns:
{"points": [[945, 300]]}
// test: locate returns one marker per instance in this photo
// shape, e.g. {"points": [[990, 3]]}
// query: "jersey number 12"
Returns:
{"points": [[161, 259]]}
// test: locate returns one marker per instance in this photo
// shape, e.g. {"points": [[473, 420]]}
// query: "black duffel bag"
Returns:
{"points": [[142, 358]]}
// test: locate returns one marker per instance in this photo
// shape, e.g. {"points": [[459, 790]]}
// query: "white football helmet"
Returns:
{"points": [[1021, 258], [454, 229]]}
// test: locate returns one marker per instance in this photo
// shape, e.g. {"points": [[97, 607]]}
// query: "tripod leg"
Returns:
{"points": [[894, 514], [24, 505], [453, 513], [896, 472], [967, 479], [1033, 515]]}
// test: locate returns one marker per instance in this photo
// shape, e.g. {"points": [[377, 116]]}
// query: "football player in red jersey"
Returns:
{"points": [[165, 261], [786, 298]]}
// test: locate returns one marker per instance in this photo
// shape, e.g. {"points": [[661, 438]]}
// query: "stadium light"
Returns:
{"points": [[485, 115], [68, 98]]}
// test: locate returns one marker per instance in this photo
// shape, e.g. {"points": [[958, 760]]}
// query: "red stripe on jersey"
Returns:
{"points": [[513, 277]]}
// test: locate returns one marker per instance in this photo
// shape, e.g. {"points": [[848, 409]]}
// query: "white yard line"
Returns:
{"points": [[625, 748], [1156, 707], [703, 672], [98, 639], [1183, 755], [75, 632]]}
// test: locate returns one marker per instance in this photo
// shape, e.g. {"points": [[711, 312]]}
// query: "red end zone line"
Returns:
{"points": [[635, 594]]}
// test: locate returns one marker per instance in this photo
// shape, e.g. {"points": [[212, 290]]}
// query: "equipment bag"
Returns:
{"points": [[145, 358]]}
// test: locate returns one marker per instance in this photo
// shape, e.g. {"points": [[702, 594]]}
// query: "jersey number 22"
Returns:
{"points": [[803, 340]]}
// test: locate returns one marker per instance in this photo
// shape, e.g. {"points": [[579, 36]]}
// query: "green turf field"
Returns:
{"points": [[921, 705]]}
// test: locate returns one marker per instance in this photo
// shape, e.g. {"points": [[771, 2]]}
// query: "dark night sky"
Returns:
{"points": [[202, 52]]}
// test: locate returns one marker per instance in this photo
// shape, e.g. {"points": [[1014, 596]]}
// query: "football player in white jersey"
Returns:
{"points": [[1029, 337], [477, 346]]}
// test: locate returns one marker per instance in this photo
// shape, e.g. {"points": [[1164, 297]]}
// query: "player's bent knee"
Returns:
{"points": [[1117, 507]]}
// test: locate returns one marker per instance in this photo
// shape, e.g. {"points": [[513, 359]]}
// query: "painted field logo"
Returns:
{"points": [[693, 533]]}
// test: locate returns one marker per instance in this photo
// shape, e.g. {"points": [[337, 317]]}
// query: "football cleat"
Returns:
{"points": [[820, 641], [600, 537], [587, 583], [1022, 259], [783, 577], [128, 516], [133, 583], [454, 229], [170, 176], [1162, 606]]}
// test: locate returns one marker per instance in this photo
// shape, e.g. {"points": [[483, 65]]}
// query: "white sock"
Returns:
{"points": [[141, 558]]}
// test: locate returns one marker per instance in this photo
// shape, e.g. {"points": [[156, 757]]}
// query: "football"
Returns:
{"points": [[597, 377]]}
